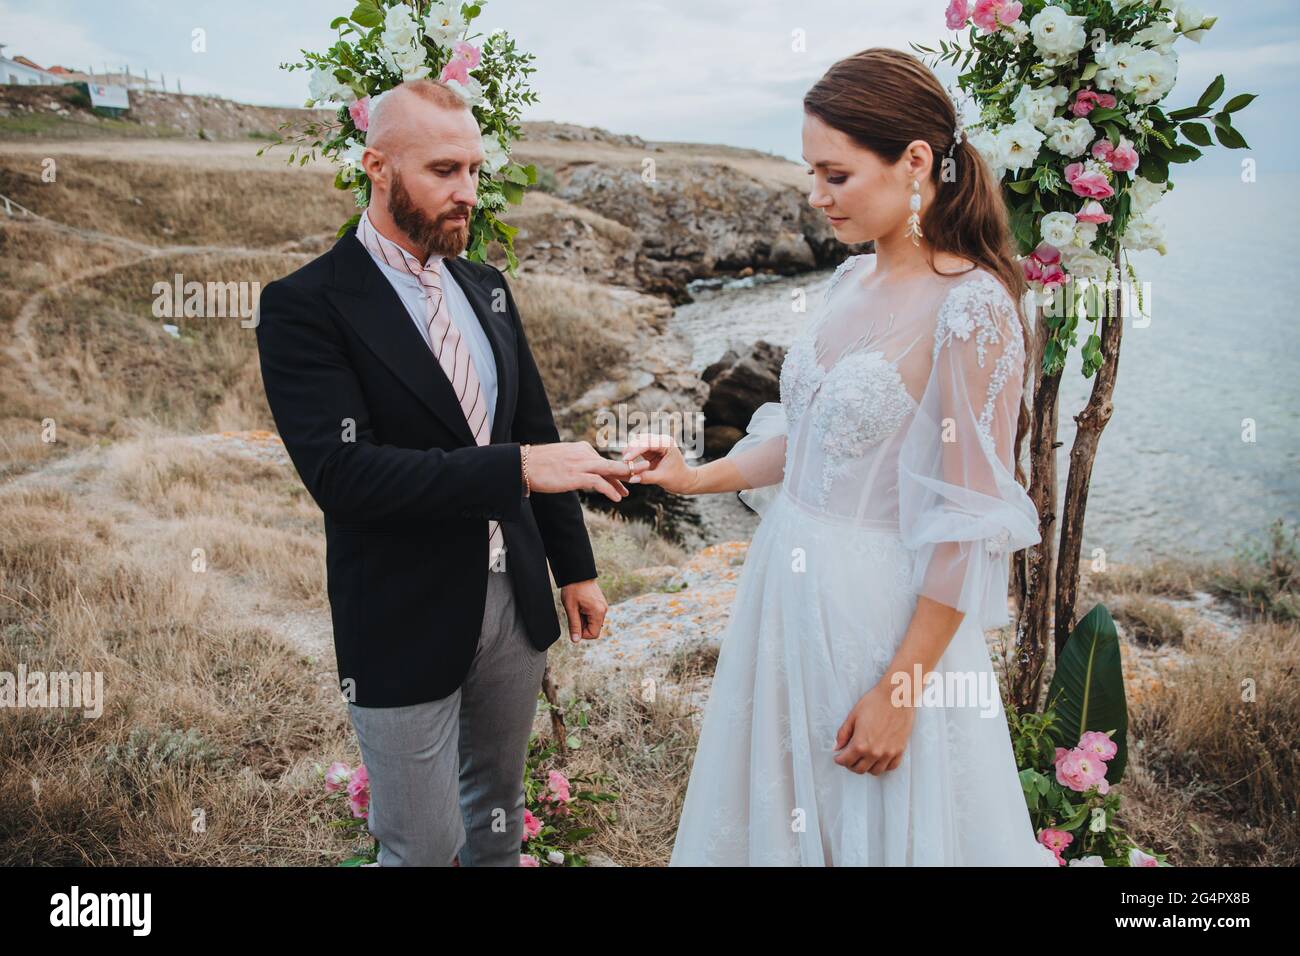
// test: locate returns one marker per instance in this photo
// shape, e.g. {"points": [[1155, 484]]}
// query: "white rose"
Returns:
{"points": [[1019, 145], [1159, 35], [986, 144], [1143, 233], [1018, 31], [1144, 194], [1057, 35], [472, 93], [1079, 261], [350, 159], [1070, 137], [1085, 234], [1192, 22], [1087, 861], [1039, 106], [445, 25], [323, 87], [494, 157], [400, 28], [1153, 75], [556, 857], [1058, 228], [1113, 66]]}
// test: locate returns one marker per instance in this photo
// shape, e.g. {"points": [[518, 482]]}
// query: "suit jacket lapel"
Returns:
{"points": [[366, 299]]}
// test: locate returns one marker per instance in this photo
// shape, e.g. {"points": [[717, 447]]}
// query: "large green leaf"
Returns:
{"points": [[1087, 690]]}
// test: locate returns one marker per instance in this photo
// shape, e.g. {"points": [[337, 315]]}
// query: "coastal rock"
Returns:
{"points": [[738, 385]]}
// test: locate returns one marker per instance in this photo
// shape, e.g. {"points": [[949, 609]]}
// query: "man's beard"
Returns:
{"points": [[430, 235]]}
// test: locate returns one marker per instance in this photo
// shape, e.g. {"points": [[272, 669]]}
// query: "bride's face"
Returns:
{"points": [[862, 196]]}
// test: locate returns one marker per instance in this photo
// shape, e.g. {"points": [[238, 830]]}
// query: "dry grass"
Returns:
{"points": [[1216, 778]]}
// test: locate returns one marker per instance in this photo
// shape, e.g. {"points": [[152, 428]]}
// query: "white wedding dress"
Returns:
{"points": [[884, 472]]}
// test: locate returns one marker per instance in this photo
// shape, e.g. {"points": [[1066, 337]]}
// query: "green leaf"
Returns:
{"points": [[1022, 186], [1226, 134], [1102, 114], [1197, 133], [367, 14], [1089, 72], [1087, 690], [1212, 93], [513, 192], [1191, 112], [1154, 168], [1239, 102]]}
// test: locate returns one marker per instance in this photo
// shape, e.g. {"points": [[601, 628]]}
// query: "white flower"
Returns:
{"points": [[1087, 861], [1114, 64], [1041, 72], [1039, 106], [1058, 228], [494, 156], [1017, 31], [471, 93], [1143, 233], [446, 25], [1192, 22], [1144, 194], [1070, 137], [350, 160], [1120, 5], [1085, 234], [1084, 263], [323, 87], [401, 31], [555, 856], [1159, 35], [985, 142], [1057, 35], [1018, 145], [1153, 75]]}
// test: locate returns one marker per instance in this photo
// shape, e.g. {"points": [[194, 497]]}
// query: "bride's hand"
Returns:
{"points": [[668, 469], [875, 732]]}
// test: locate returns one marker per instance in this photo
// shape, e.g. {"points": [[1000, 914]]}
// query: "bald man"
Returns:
{"points": [[404, 389]]}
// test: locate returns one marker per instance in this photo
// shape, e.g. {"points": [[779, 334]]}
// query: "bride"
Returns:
{"points": [[886, 479]]}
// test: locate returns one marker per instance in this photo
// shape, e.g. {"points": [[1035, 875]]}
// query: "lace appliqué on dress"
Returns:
{"points": [[981, 306]]}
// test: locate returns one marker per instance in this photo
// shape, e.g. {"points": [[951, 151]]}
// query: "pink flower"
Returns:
{"points": [[1056, 841], [1090, 184], [1044, 265], [1081, 771], [1095, 742], [558, 784], [336, 777], [1093, 212], [468, 52], [989, 15], [532, 825], [958, 14], [1125, 158], [360, 113], [1137, 858], [359, 792], [527, 859], [1088, 100], [457, 70]]}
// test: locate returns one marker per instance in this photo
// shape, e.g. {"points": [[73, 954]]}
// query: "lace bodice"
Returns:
{"points": [[898, 413]]}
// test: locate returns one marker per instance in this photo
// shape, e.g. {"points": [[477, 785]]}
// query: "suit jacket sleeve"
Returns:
{"points": [[559, 516], [313, 391]]}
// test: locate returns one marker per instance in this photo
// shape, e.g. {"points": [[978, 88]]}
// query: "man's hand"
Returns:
{"points": [[585, 605], [574, 466]]}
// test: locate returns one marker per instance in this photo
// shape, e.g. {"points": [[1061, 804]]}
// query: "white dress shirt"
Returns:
{"points": [[464, 317]]}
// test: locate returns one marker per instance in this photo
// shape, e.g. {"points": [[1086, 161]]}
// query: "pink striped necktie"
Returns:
{"points": [[446, 342]]}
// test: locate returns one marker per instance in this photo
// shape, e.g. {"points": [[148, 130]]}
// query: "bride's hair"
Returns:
{"points": [[883, 100]]}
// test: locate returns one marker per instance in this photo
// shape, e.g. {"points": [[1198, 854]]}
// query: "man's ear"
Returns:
{"points": [[375, 165]]}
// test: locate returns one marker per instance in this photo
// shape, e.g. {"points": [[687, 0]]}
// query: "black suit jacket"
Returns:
{"points": [[407, 497]]}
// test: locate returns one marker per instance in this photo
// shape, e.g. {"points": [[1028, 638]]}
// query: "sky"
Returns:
{"points": [[717, 71]]}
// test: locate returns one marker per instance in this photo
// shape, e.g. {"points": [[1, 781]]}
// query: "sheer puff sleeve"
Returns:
{"points": [[760, 456], [961, 511]]}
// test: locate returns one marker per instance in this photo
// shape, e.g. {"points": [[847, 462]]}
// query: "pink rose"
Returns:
{"points": [[958, 14], [1081, 771], [360, 113], [1137, 858], [359, 792], [989, 15], [1090, 184], [336, 777], [468, 52], [527, 859], [1092, 211], [1056, 841], [1095, 742], [1044, 265], [1088, 100], [1124, 158], [457, 70], [532, 825]]}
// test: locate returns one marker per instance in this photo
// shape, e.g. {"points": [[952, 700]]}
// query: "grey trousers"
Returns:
{"points": [[446, 776]]}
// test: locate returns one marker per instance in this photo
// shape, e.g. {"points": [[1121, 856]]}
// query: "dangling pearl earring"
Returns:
{"points": [[914, 220]]}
